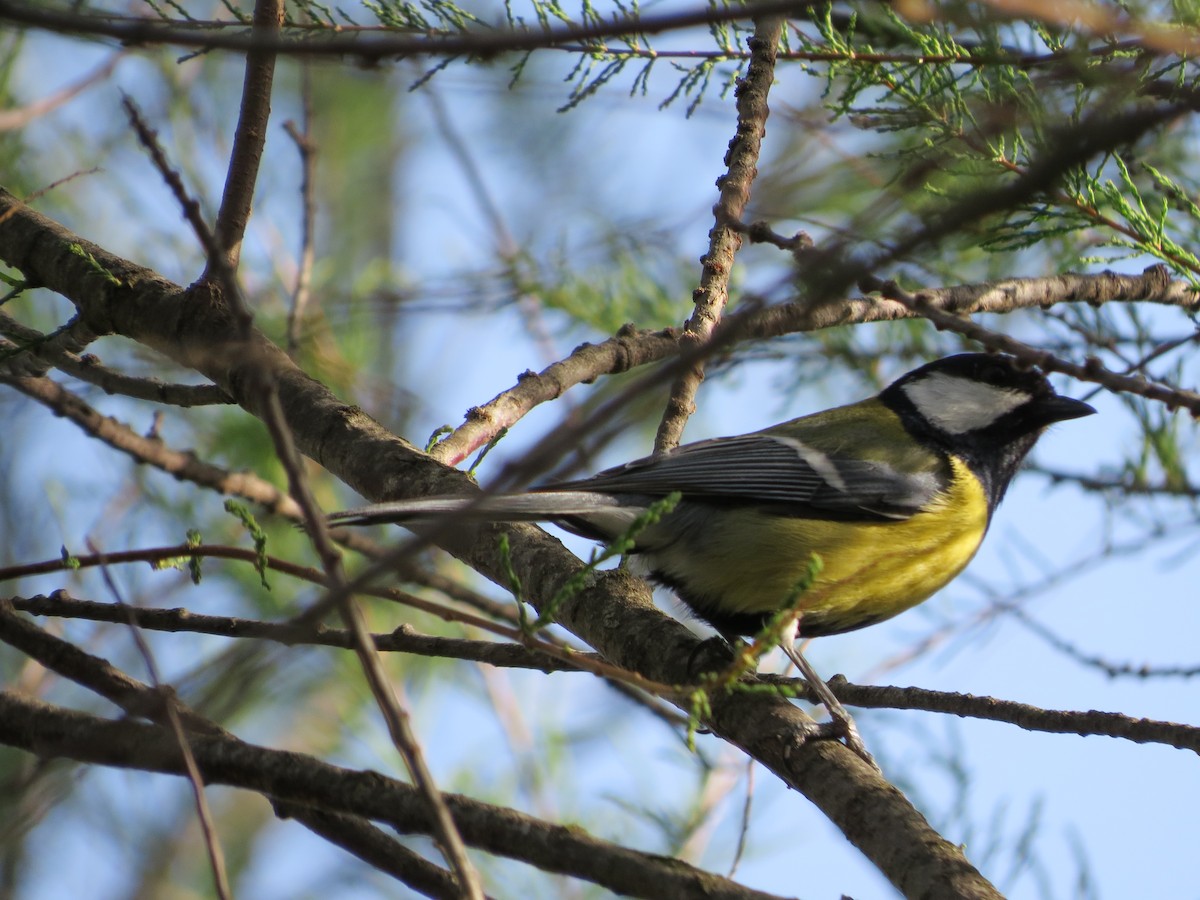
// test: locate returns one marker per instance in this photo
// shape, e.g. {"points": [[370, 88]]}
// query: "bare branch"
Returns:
{"points": [[1116, 485], [724, 240], [629, 349], [34, 353], [92, 672], [1092, 660], [403, 640], [1092, 370], [152, 451], [248, 140], [371, 49], [1031, 718], [302, 137], [364, 44]]}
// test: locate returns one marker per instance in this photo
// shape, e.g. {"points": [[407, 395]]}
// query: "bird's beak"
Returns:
{"points": [[1059, 409]]}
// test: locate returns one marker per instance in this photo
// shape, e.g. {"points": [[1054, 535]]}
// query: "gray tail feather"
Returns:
{"points": [[537, 507]]}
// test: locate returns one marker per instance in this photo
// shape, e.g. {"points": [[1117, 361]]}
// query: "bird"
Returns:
{"points": [[892, 495]]}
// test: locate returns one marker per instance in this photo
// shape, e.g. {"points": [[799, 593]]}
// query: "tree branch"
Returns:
{"points": [[248, 140], [152, 451], [33, 354], [370, 49], [725, 239], [50, 731], [1024, 715]]}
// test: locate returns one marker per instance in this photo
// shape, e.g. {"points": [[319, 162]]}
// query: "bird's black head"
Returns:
{"points": [[983, 408]]}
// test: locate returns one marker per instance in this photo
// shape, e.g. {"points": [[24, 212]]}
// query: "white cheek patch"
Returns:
{"points": [[958, 405]]}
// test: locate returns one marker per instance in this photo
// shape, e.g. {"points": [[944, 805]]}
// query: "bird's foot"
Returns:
{"points": [[841, 727]]}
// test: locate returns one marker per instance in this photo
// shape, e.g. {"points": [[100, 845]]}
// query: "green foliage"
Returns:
{"points": [[108, 276], [15, 283], [1160, 456], [189, 564], [973, 104], [630, 282], [1147, 230], [193, 563], [425, 16], [511, 576], [243, 514], [438, 433], [15, 161]]}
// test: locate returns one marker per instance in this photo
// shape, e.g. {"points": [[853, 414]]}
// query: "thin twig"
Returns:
{"points": [[1109, 668], [208, 827], [148, 138], [249, 137], [1030, 718], [150, 450], [370, 45], [724, 240], [744, 826], [386, 692], [1114, 485], [1092, 370], [368, 48], [303, 139], [1016, 598], [32, 353], [402, 640], [629, 349]]}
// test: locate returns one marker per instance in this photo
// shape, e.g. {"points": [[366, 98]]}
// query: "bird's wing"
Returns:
{"points": [[792, 476]]}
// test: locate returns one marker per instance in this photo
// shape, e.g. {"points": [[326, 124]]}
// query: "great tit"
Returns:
{"points": [[894, 495]]}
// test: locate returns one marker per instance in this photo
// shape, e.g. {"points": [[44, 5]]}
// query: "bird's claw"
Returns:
{"points": [[842, 728]]}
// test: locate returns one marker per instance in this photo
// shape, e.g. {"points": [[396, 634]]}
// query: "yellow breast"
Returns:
{"points": [[870, 571]]}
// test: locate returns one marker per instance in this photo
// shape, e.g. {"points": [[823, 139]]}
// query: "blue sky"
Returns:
{"points": [[1131, 808]]}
